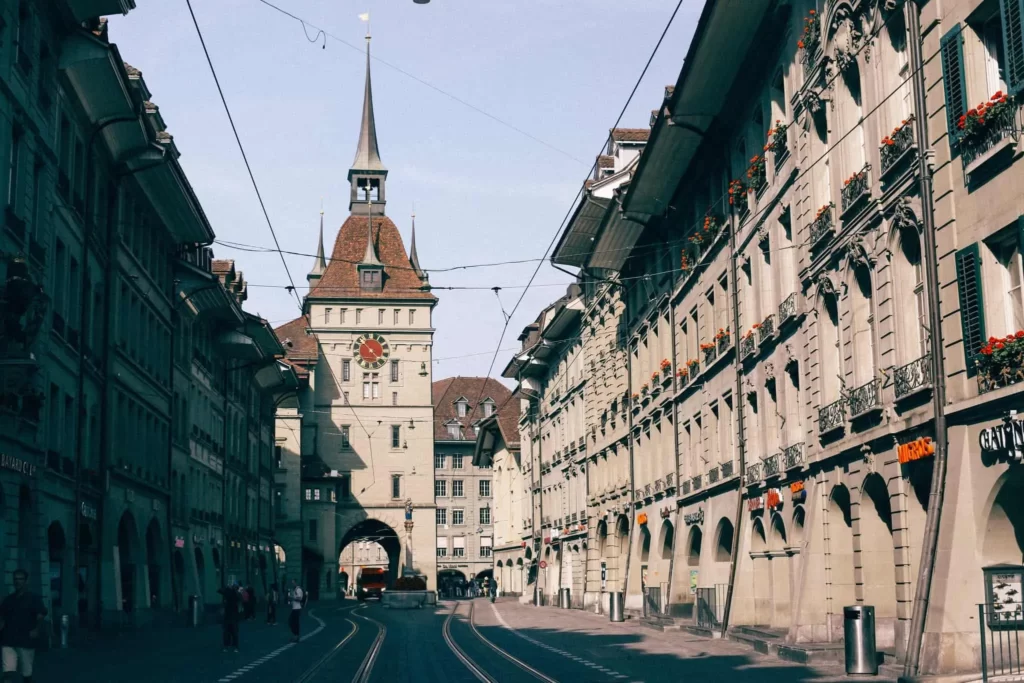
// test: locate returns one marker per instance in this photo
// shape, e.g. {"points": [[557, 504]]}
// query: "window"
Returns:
{"points": [[396, 436], [442, 546], [462, 407], [371, 385], [394, 398], [396, 486], [441, 516], [457, 462], [438, 461], [14, 162], [359, 316], [316, 494], [309, 494], [327, 316], [488, 407], [485, 515], [397, 311], [485, 488], [394, 371], [440, 488], [457, 488], [459, 546], [458, 516], [454, 430], [345, 486], [345, 433], [312, 530], [485, 546], [344, 396], [341, 315], [346, 371], [380, 316], [412, 316], [334, 496], [1005, 313]]}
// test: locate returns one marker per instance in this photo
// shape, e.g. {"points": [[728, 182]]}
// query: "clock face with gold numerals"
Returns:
{"points": [[371, 351]]}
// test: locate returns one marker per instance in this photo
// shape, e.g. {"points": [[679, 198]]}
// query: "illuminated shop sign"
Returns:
{"points": [[915, 450], [1005, 440]]}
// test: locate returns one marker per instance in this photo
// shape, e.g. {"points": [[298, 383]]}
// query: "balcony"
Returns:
{"points": [[710, 352], [855, 188], [648, 490], [771, 466], [831, 417], [659, 485], [723, 342], [767, 329], [753, 474], [793, 456], [668, 481], [787, 309], [727, 469], [913, 377], [696, 482], [897, 146], [822, 226], [1001, 133], [748, 345], [686, 487], [865, 399]]}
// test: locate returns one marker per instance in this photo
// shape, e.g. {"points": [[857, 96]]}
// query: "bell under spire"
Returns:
{"points": [[368, 171]]}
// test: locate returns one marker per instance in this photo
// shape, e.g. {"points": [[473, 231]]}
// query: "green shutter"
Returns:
{"points": [[972, 312], [951, 48], [1013, 43]]}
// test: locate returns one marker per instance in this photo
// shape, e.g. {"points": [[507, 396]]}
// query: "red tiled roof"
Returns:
{"points": [[605, 161], [508, 421], [630, 134], [446, 392], [222, 265], [298, 346], [341, 279]]}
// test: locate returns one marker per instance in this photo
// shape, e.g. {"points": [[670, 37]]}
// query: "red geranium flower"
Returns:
{"points": [[1000, 345], [1020, 334]]}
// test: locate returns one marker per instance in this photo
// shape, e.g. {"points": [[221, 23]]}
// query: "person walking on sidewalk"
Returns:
{"points": [[272, 598], [250, 603], [297, 598], [21, 621], [232, 600]]}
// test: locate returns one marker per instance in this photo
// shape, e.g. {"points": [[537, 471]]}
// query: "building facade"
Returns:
{"points": [[97, 391], [464, 490], [356, 441]]}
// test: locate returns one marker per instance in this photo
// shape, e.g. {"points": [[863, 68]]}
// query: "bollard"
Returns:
{"points": [[65, 627]]}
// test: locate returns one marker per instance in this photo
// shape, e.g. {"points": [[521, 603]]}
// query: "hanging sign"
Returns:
{"points": [[641, 518], [915, 450], [798, 494], [1006, 440], [88, 510], [179, 541], [696, 517], [774, 498]]}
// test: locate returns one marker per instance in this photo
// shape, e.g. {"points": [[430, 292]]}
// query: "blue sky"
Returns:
{"points": [[560, 71]]}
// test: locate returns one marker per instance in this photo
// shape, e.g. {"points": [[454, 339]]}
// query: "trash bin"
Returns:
{"points": [[538, 597], [859, 634], [563, 598], [194, 606], [615, 606]]}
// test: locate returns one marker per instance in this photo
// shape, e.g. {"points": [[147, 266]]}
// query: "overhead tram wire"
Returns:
{"points": [[419, 80]]}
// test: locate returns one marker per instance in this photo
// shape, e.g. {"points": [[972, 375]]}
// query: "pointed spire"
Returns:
{"points": [[319, 263], [370, 257], [414, 258], [367, 153]]}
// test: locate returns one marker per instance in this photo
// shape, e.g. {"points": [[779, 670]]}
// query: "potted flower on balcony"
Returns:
{"points": [[708, 349], [722, 338], [693, 364], [756, 173], [777, 139], [1001, 361], [666, 367], [811, 35], [683, 373], [981, 121], [644, 390], [738, 195], [655, 383]]}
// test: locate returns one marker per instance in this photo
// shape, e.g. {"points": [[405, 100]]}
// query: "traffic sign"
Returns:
{"points": [[543, 564]]}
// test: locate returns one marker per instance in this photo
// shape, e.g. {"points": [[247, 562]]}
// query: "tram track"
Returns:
{"points": [[322, 668], [479, 671], [366, 668]]}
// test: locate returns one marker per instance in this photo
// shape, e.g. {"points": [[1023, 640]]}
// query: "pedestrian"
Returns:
{"points": [[250, 603], [297, 598], [232, 600], [272, 598], [21, 621]]}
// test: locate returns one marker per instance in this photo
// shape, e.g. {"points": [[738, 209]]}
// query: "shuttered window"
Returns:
{"points": [[951, 48], [972, 313], [1013, 43]]}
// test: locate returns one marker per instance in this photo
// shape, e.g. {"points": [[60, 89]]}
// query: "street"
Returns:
{"points": [[457, 641]]}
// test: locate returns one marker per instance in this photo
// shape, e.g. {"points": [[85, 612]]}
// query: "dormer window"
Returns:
{"points": [[488, 407], [454, 430], [370, 279], [462, 407]]}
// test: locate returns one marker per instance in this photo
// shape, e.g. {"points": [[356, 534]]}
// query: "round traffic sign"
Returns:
{"points": [[543, 564]]}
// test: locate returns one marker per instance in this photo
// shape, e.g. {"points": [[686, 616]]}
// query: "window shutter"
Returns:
{"points": [[951, 48], [972, 313], [1013, 43]]}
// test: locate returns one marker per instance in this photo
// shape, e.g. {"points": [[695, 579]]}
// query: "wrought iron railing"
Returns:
{"points": [[727, 469], [771, 465], [913, 376], [831, 416], [668, 480], [747, 345], [753, 474], [896, 145], [659, 485], [767, 329], [648, 490], [976, 146], [710, 353], [713, 475], [652, 600], [857, 186], [822, 226], [787, 309], [723, 343], [686, 487], [1001, 625], [866, 398], [697, 482], [711, 606], [793, 456]]}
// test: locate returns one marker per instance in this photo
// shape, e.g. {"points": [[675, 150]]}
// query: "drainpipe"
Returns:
{"points": [[675, 441], [632, 481], [540, 507], [225, 549], [938, 483], [740, 445]]}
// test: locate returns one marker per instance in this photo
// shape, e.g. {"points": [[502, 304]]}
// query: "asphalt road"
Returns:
{"points": [[457, 642]]}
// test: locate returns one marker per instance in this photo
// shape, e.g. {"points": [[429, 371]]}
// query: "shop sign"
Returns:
{"points": [[641, 519], [798, 494], [755, 504], [88, 510], [1005, 440], [774, 498], [915, 450], [179, 541], [9, 462], [666, 512], [454, 566], [694, 517]]}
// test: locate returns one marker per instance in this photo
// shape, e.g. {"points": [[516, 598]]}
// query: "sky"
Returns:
{"points": [[559, 71]]}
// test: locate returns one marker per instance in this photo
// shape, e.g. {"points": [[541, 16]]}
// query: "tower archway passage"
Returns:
{"points": [[376, 531]]}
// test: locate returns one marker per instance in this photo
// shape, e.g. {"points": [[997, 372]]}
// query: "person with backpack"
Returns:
{"points": [[272, 598], [297, 598]]}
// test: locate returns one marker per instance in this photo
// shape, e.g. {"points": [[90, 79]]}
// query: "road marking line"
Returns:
{"points": [[263, 660]]}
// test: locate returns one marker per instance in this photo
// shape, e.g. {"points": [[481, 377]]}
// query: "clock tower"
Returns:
{"points": [[356, 440]]}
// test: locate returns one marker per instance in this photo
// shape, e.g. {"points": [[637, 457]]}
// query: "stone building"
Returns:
{"points": [[97, 218], [355, 440], [464, 490]]}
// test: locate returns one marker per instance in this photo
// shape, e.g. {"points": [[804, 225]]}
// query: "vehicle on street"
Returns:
{"points": [[372, 582]]}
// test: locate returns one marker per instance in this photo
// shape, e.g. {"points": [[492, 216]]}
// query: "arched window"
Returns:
{"points": [[830, 359], [862, 324], [911, 312]]}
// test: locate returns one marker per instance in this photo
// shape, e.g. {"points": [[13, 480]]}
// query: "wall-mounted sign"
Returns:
{"points": [[694, 575], [1005, 440], [9, 462], [696, 517], [641, 518], [1004, 584], [179, 542], [796, 487], [666, 512], [773, 498], [88, 510], [915, 450], [755, 504]]}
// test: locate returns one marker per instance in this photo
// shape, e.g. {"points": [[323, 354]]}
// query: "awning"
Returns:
{"points": [[485, 541], [238, 345], [442, 542], [614, 243], [458, 542]]}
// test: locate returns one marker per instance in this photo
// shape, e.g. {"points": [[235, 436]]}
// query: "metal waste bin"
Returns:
{"points": [[859, 634], [616, 606], [538, 597], [194, 607], [563, 598]]}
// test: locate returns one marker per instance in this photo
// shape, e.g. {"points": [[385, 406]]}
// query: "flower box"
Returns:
{"points": [[757, 176], [822, 226], [855, 188], [778, 143], [738, 196], [896, 145], [1001, 362]]}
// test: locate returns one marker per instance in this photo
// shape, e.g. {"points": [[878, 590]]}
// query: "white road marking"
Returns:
{"points": [[266, 658]]}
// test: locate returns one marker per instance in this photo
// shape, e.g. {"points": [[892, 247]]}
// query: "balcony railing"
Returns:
{"points": [[686, 487], [747, 345], [793, 456], [896, 145], [832, 416], [822, 226], [696, 481], [753, 474], [974, 150], [767, 329], [771, 465], [913, 377], [727, 469], [648, 490], [866, 398], [787, 309], [723, 343], [713, 475], [668, 480], [659, 485], [856, 188], [710, 353]]}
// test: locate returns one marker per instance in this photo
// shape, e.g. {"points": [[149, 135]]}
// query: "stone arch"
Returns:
{"points": [[777, 538], [758, 539], [667, 539], [645, 543], [877, 558], [28, 557], [693, 546], [129, 557], [200, 560], [797, 527], [723, 540], [1002, 538], [178, 579], [380, 532], [602, 537]]}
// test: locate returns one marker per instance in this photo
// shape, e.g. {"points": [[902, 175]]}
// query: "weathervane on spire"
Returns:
{"points": [[365, 16]]}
